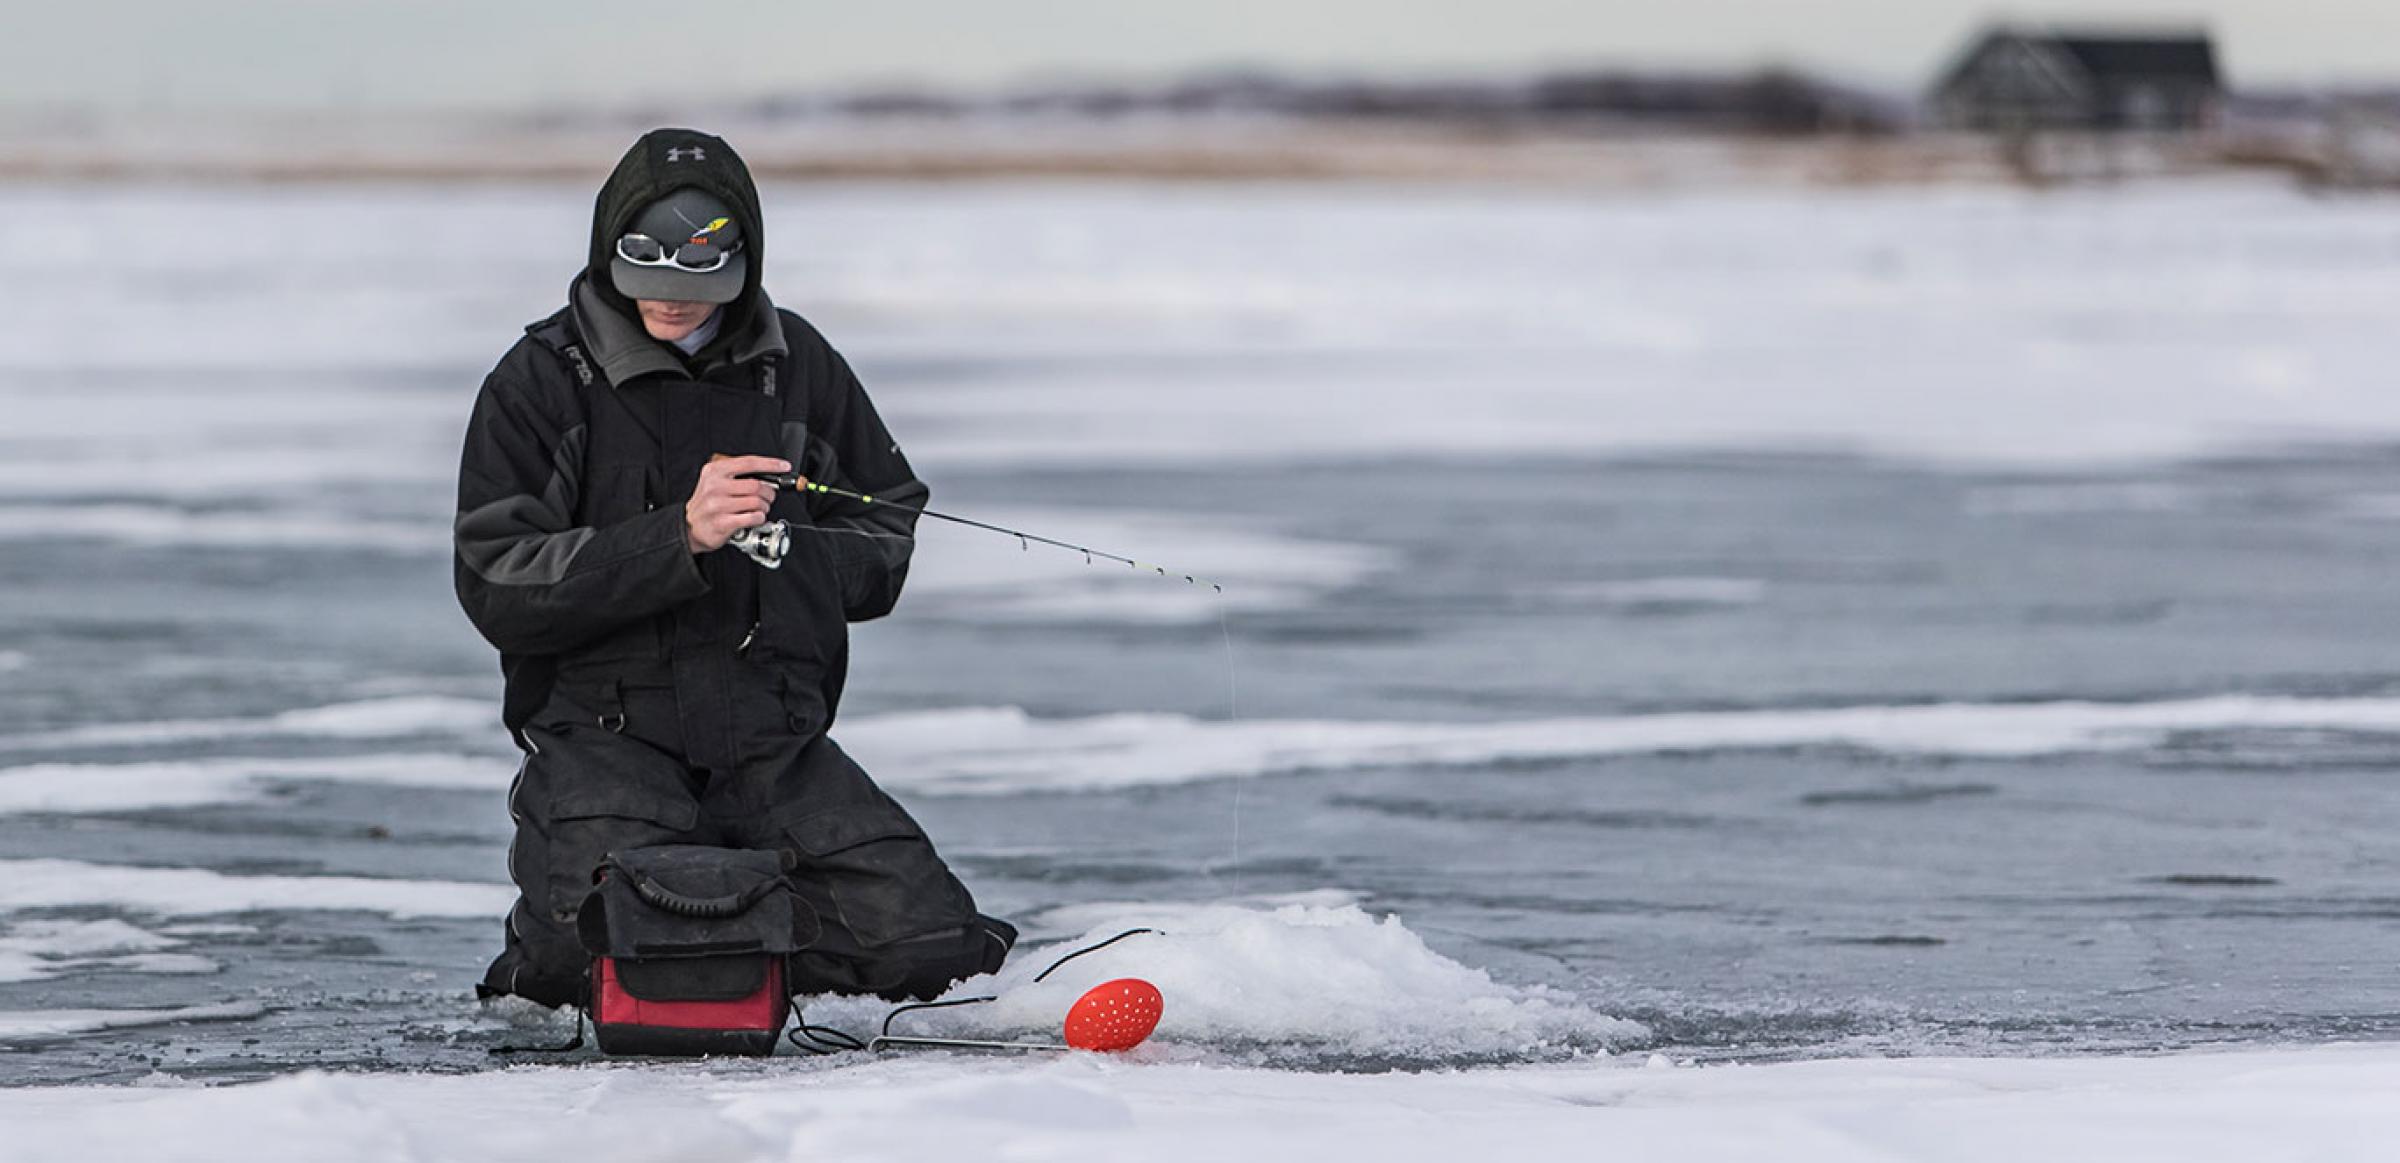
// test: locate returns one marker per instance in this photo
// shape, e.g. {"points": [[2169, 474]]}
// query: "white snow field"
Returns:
{"points": [[1004, 750], [21, 1026], [1140, 325], [184, 783], [50, 884], [1240, 983], [398, 717], [2326, 1104], [1310, 976], [32, 950]]}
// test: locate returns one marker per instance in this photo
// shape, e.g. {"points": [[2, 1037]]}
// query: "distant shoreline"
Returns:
{"points": [[1148, 149]]}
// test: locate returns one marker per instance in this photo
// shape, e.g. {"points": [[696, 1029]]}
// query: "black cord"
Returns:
{"points": [[912, 1007], [1089, 949], [827, 1040], [968, 1001], [822, 1040]]}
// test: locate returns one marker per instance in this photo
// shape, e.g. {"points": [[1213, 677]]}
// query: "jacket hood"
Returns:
{"points": [[663, 161], [625, 352]]}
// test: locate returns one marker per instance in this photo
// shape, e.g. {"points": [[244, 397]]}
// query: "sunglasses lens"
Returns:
{"points": [[641, 248], [700, 256]]}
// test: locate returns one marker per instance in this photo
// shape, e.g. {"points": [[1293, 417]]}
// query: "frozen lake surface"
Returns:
{"points": [[1733, 628]]}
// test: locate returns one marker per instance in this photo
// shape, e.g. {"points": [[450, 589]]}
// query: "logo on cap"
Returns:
{"points": [[685, 153], [700, 236]]}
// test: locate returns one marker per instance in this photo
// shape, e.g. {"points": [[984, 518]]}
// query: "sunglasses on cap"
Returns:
{"points": [[699, 258]]}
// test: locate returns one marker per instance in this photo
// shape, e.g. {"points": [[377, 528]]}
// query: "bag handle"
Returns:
{"points": [[714, 908]]}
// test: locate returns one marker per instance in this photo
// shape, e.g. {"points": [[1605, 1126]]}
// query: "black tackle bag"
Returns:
{"points": [[688, 945]]}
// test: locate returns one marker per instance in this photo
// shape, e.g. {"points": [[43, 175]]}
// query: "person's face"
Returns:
{"points": [[668, 320]]}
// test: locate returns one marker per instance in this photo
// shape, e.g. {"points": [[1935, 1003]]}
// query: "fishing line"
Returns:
{"points": [[1233, 714]]}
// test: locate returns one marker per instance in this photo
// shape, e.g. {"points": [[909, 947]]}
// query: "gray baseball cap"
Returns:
{"points": [[686, 218]]}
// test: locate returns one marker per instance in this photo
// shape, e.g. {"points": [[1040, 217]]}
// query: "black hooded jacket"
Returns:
{"points": [[585, 443]]}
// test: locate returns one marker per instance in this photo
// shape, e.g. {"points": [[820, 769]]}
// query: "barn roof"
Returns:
{"points": [[2148, 58]]}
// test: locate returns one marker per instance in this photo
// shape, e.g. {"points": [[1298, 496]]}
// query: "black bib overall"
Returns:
{"points": [[705, 724]]}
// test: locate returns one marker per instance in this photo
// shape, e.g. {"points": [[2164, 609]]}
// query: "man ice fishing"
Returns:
{"points": [[666, 685]]}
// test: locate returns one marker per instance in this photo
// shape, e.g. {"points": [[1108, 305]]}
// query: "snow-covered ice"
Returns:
{"points": [[1314, 973], [1309, 980], [1666, 592], [395, 717], [1004, 750], [998, 750], [35, 1025], [44, 884], [1030, 332], [106, 787], [162, 526], [2329, 1104], [2117, 496], [34, 949], [1981, 325]]}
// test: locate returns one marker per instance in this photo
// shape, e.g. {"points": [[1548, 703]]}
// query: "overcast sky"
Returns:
{"points": [[196, 54]]}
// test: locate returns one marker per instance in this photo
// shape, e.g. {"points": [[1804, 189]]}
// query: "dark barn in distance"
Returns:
{"points": [[2020, 80]]}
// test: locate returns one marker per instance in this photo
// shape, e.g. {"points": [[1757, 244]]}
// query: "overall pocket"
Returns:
{"points": [[880, 873], [587, 823]]}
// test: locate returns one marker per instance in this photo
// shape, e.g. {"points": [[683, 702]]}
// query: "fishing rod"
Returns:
{"points": [[767, 544]]}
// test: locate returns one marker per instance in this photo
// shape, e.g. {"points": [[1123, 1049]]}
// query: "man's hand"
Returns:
{"points": [[723, 504]]}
